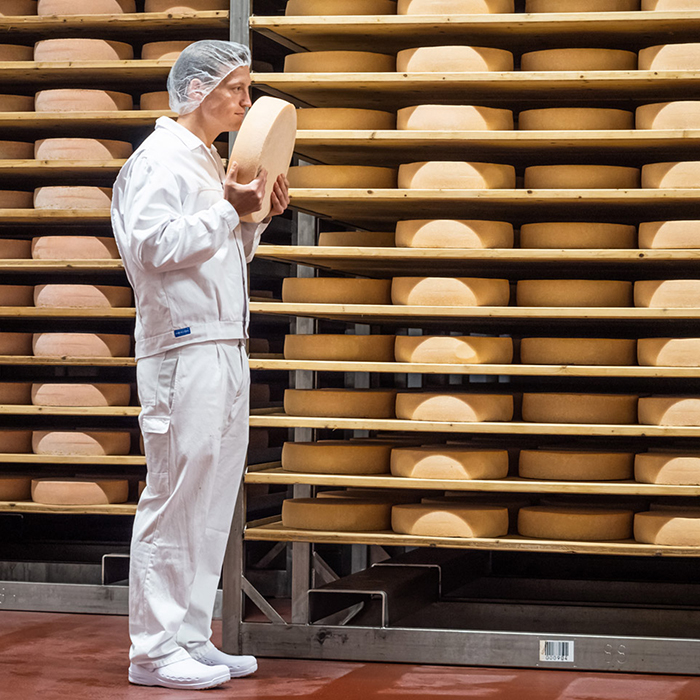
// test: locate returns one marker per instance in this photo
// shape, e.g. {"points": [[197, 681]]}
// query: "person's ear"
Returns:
{"points": [[194, 89]]}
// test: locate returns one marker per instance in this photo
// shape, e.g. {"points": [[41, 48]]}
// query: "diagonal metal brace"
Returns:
{"points": [[259, 600]]}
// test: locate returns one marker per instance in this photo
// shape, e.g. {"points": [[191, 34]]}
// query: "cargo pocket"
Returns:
{"points": [[156, 440]]}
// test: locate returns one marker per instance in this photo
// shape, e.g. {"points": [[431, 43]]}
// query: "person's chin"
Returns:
{"points": [[234, 124]]}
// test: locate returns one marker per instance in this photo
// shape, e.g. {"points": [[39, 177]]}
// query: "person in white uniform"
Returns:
{"points": [[176, 219]]}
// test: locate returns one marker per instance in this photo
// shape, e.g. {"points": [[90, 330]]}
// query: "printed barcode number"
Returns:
{"points": [[556, 651]]}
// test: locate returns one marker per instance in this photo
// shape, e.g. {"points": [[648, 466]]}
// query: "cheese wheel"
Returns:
{"points": [[574, 177], [454, 7], [669, 410], [663, 294], [457, 408], [81, 394], [13, 52], [335, 290], [575, 524], [94, 7], [577, 234], [258, 346], [90, 443], [338, 118], [362, 239], [575, 465], [74, 492], [265, 140], [15, 441], [336, 457], [82, 50], [675, 529], [15, 199], [141, 488], [336, 514], [340, 7], [159, 101], [670, 5], [437, 175], [454, 118], [163, 50], [16, 295], [581, 5], [16, 103], [683, 114], [17, 8], [668, 468], [610, 409], [587, 293], [16, 393], [449, 520], [15, 249], [448, 462], [15, 343], [339, 62], [16, 150], [78, 100], [451, 233], [575, 118], [446, 291], [340, 403], [80, 296], [75, 197], [617, 352], [259, 395], [669, 234], [74, 248], [449, 349], [15, 488], [186, 6], [340, 348], [669, 352], [392, 496], [81, 345], [578, 60], [325, 176], [453, 59], [81, 149], [670, 57], [671, 175]]}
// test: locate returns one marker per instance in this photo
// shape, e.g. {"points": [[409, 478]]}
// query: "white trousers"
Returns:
{"points": [[194, 421]]}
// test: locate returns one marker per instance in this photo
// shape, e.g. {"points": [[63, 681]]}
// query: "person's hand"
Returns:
{"points": [[245, 199], [279, 199]]}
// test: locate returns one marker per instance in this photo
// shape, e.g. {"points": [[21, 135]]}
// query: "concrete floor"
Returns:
{"points": [[84, 657]]}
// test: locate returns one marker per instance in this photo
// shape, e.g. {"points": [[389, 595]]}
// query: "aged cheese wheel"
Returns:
{"points": [[15, 488], [94, 7], [575, 465], [16, 295], [340, 7], [451, 233], [617, 352], [13, 52], [15, 249], [437, 175], [671, 175], [336, 514], [581, 5], [683, 114], [448, 291], [449, 349], [343, 348], [80, 296], [16, 393], [588, 293], [81, 149], [667, 468], [325, 176], [15, 441], [82, 50], [454, 118], [575, 118], [363, 239], [338, 118], [74, 248], [392, 496], [258, 346], [612, 409], [16, 150], [669, 352], [74, 492], [669, 410], [336, 457], [453, 59], [335, 290], [16, 103], [454, 7], [669, 5], [339, 62], [669, 234], [159, 101], [265, 140], [577, 524], [78, 100], [458, 408], [15, 343], [81, 394], [91, 443], [670, 57], [340, 403], [74, 197], [672, 528], [81, 345], [662, 294], [577, 234], [163, 50], [449, 520], [185, 6], [17, 8], [578, 60], [568, 177], [448, 462], [15, 199]]}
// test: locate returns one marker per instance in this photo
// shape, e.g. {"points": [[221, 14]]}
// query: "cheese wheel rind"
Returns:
{"points": [[67, 492], [450, 291], [673, 175], [74, 248], [341, 348], [669, 410], [669, 234], [185, 6], [57, 394], [436, 175], [81, 100], [16, 103], [73, 197], [354, 239], [15, 441], [575, 118], [453, 349], [449, 520], [340, 7], [679, 529], [611, 409], [618, 352], [453, 233], [16, 295], [337, 176], [15, 249], [681, 114], [81, 345], [672, 468], [581, 5], [94, 7], [15, 199], [669, 352], [335, 290], [577, 234], [462, 407], [578, 60], [568, 293], [91, 443], [339, 62], [15, 393], [575, 465], [15, 52], [81, 149], [81, 296], [15, 343], [660, 294], [448, 462], [574, 177], [18, 8], [453, 59], [15, 488], [163, 50], [76, 50], [575, 524], [670, 57], [16, 150], [343, 515], [454, 7], [454, 118], [320, 118], [340, 403], [336, 457]]}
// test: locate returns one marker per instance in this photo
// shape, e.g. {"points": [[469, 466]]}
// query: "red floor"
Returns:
{"points": [[74, 657]]}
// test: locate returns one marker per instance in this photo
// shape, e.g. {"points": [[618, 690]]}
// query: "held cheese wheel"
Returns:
{"points": [[670, 57], [81, 345], [159, 101], [15, 199], [79, 100], [451, 233], [340, 7], [16, 150], [336, 514], [448, 462], [617, 352], [17, 8], [336, 457], [575, 465], [74, 248], [75, 443], [588, 293], [669, 410], [15, 249], [454, 118], [578, 60], [16, 393], [362, 239], [575, 118], [340, 403], [577, 234], [668, 468], [662, 294], [454, 7], [683, 114], [575, 524], [448, 349], [15, 441], [15, 488], [340, 348], [16, 103], [574, 177], [163, 50], [81, 149], [610, 409], [265, 140], [13, 52], [669, 352], [81, 394], [78, 492], [453, 59], [80, 296], [16, 295], [338, 118], [581, 5], [185, 6], [449, 520], [94, 7], [15, 343], [671, 175], [458, 408], [446, 291], [328, 176], [339, 62], [75, 50], [669, 234], [668, 528], [437, 175], [335, 290], [74, 197]]}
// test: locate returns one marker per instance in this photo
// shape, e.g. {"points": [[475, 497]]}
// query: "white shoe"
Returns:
{"points": [[238, 666], [188, 673]]}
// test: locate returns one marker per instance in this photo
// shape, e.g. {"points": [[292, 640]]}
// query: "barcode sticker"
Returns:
{"points": [[560, 651]]}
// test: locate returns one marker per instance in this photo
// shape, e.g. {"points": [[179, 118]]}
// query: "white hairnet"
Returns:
{"points": [[209, 62]]}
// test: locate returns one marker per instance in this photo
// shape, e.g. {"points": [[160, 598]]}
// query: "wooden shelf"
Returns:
{"points": [[96, 460], [24, 410], [31, 507], [33, 312], [63, 171], [36, 218], [30, 360], [44, 266]]}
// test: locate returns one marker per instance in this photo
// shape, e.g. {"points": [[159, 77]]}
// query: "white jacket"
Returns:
{"points": [[183, 246]]}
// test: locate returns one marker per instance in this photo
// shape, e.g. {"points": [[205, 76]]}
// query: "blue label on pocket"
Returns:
{"points": [[182, 331]]}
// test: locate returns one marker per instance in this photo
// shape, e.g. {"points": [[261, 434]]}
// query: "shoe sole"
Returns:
{"points": [[137, 678], [243, 672]]}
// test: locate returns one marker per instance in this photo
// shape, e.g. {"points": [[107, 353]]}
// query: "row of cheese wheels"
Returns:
{"points": [[65, 296], [48, 8], [81, 100], [59, 248], [90, 50], [66, 149], [65, 491]]}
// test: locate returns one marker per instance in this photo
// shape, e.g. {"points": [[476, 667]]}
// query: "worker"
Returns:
{"points": [[176, 216]]}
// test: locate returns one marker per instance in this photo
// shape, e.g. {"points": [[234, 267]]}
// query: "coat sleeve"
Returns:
{"points": [[250, 234]]}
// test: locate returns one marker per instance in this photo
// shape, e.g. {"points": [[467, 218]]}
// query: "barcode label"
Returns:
{"points": [[556, 651]]}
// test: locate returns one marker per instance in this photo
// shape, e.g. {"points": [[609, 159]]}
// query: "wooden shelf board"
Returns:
{"points": [[67, 361], [31, 507], [54, 217], [44, 266], [33, 312], [99, 124], [52, 169], [97, 460], [24, 410]]}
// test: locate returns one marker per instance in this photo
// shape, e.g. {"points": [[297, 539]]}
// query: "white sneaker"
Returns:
{"points": [[188, 673], [238, 666]]}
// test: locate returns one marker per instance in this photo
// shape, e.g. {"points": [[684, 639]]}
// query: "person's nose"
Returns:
{"points": [[245, 100]]}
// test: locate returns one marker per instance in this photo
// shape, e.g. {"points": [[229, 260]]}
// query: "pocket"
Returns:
{"points": [[155, 424], [157, 448]]}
